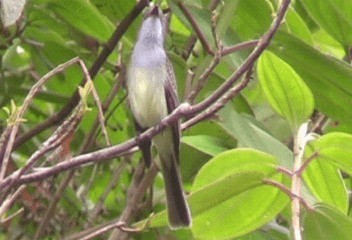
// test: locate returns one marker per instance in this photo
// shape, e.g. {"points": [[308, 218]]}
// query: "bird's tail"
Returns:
{"points": [[177, 207]]}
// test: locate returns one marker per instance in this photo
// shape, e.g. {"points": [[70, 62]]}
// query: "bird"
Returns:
{"points": [[152, 95]]}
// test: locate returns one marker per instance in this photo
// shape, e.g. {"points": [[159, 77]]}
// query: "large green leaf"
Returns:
{"points": [[326, 223], [296, 26], [333, 151], [329, 79], [220, 212], [285, 90], [326, 183], [205, 143], [250, 134], [335, 16], [334, 148], [252, 18], [85, 17]]}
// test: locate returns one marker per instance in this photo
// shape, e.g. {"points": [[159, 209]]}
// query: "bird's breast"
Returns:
{"points": [[147, 95]]}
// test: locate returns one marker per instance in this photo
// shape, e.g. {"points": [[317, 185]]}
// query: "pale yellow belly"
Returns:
{"points": [[146, 95]]}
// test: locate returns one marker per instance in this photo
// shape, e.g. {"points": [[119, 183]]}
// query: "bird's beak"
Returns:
{"points": [[154, 12]]}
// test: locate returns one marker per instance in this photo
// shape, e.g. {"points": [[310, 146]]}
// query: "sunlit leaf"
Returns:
{"points": [[285, 90]]}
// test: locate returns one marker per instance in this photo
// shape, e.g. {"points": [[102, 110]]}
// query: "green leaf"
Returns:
{"points": [[252, 18], [296, 26], [328, 45], [328, 79], [85, 17], [207, 144], [326, 223], [336, 149], [202, 14], [229, 162], [322, 176], [335, 16], [285, 90], [326, 183], [228, 198], [250, 134], [226, 13]]}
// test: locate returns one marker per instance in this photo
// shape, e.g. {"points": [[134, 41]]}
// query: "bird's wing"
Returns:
{"points": [[172, 103]]}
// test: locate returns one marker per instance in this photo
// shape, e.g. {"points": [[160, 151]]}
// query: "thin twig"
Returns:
{"points": [[8, 202], [140, 183], [136, 196], [287, 191], [189, 47], [247, 64], [306, 163], [219, 103], [241, 46], [119, 225], [285, 171], [115, 178], [203, 79], [196, 28], [89, 140], [97, 101], [52, 206]]}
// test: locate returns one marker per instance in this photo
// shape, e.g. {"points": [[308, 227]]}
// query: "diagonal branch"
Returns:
{"points": [[196, 28]]}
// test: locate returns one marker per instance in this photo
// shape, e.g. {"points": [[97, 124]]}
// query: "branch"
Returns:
{"points": [[111, 186], [287, 191], [244, 45], [108, 48], [196, 28], [49, 213], [299, 146], [135, 197], [220, 103], [119, 225]]}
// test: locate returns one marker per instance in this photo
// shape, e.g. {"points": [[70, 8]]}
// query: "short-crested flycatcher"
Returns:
{"points": [[152, 96]]}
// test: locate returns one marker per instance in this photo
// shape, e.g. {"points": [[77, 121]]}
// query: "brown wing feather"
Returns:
{"points": [[172, 103]]}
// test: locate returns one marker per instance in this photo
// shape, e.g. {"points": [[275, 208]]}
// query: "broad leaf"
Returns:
{"points": [[85, 17], [333, 152], [250, 134], [207, 144], [328, 79], [326, 183], [326, 223], [285, 90], [220, 212], [335, 16]]}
